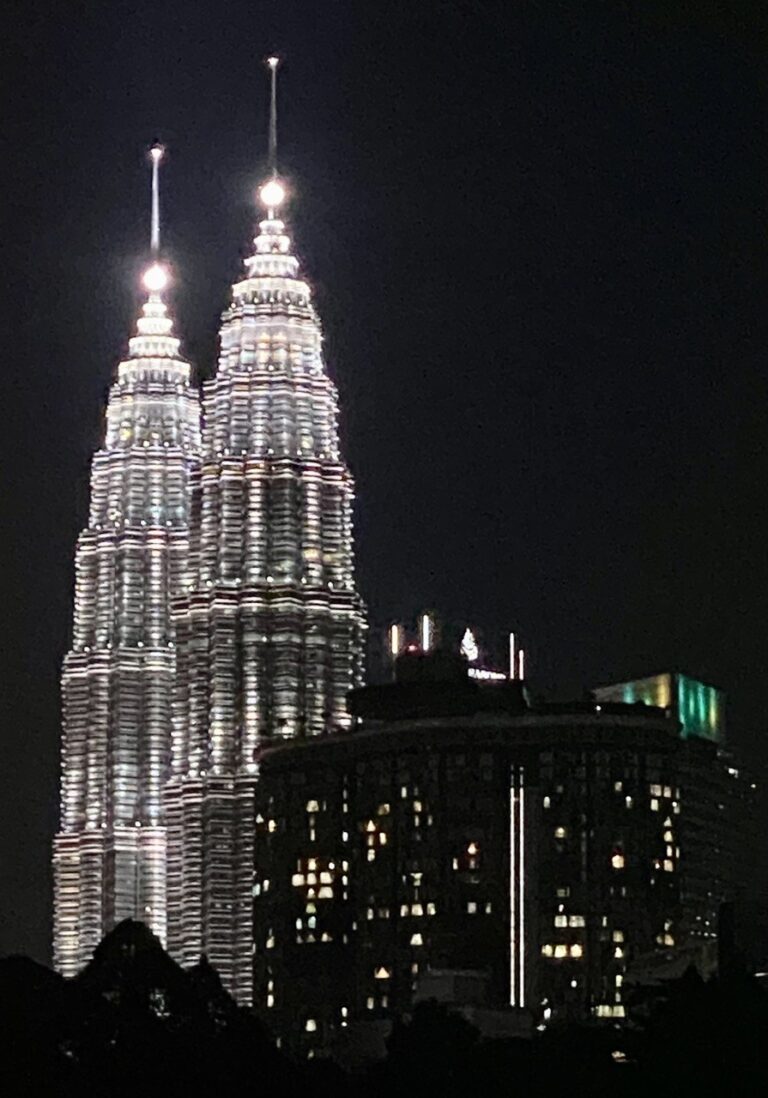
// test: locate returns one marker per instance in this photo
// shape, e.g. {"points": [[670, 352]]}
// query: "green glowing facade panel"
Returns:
{"points": [[699, 708]]}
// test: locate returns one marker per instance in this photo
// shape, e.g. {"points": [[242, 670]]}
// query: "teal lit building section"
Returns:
{"points": [[699, 708]]}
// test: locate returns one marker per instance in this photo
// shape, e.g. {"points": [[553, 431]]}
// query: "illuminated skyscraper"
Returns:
{"points": [[109, 854], [270, 636]]}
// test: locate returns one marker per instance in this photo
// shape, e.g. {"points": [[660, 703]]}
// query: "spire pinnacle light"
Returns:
{"points": [[155, 278], [272, 194]]}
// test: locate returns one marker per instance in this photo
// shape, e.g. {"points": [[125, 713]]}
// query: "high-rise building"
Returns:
{"points": [[545, 848], [461, 830], [109, 854], [271, 634]]}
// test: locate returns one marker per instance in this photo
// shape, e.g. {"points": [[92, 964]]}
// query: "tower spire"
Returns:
{"points": [[272, 63], [272, 193], [156, 276], [156, 154]]}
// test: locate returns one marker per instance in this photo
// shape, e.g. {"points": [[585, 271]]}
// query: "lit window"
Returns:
{"points": [[404, 911], [559, 832], [628, 802], [617, 859], [383, 810], [271, 942], [369, 1002], [654, 804], [618, 936], [667, 791], [561, 950], [313, 806], [270, 1001], [488, 908], [547, 802], [576, 920], [297, 880], [561, 920], [371, 855], [471, 907], [417, 910], [417, 806], [369, 913], [417, 940], [618, 953], [669, 865], [655, 790], [547, 950], [310, 1025], [577, 950], [382, 973], [473, 848], [563, 893], [431, 909], [668, 836], [619, 979], [618, 786]]}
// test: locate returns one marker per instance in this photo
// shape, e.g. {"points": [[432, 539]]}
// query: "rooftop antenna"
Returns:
{"points": [[273, 63]]}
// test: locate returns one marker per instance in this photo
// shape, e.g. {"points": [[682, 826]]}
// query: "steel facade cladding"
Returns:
{"points": [[390, 851], [109, 853], [270, 634]]}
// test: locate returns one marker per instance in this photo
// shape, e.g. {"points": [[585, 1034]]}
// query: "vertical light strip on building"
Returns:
{"points": [[517, 887]]}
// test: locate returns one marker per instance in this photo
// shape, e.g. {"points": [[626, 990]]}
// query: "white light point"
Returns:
{"points": [[155, 278], [157, 152], [272, 194]]}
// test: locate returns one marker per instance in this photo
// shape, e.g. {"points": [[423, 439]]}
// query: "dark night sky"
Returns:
{"points": [[537, 235]]}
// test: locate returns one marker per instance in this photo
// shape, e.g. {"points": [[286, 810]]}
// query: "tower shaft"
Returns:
{"points": [[117, 679], [270, 638]]}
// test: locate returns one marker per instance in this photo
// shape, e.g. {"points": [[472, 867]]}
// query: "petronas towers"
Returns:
{"points": [[215, 610]]}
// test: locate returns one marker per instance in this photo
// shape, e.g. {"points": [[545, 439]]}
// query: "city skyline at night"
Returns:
{"points": [[542, 299]]}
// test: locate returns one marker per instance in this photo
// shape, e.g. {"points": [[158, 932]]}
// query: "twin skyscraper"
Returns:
{"points": [[215, 611]]}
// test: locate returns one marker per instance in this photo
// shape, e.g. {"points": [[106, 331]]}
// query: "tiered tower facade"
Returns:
{"points": [[110, 852], [270, 637]]}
